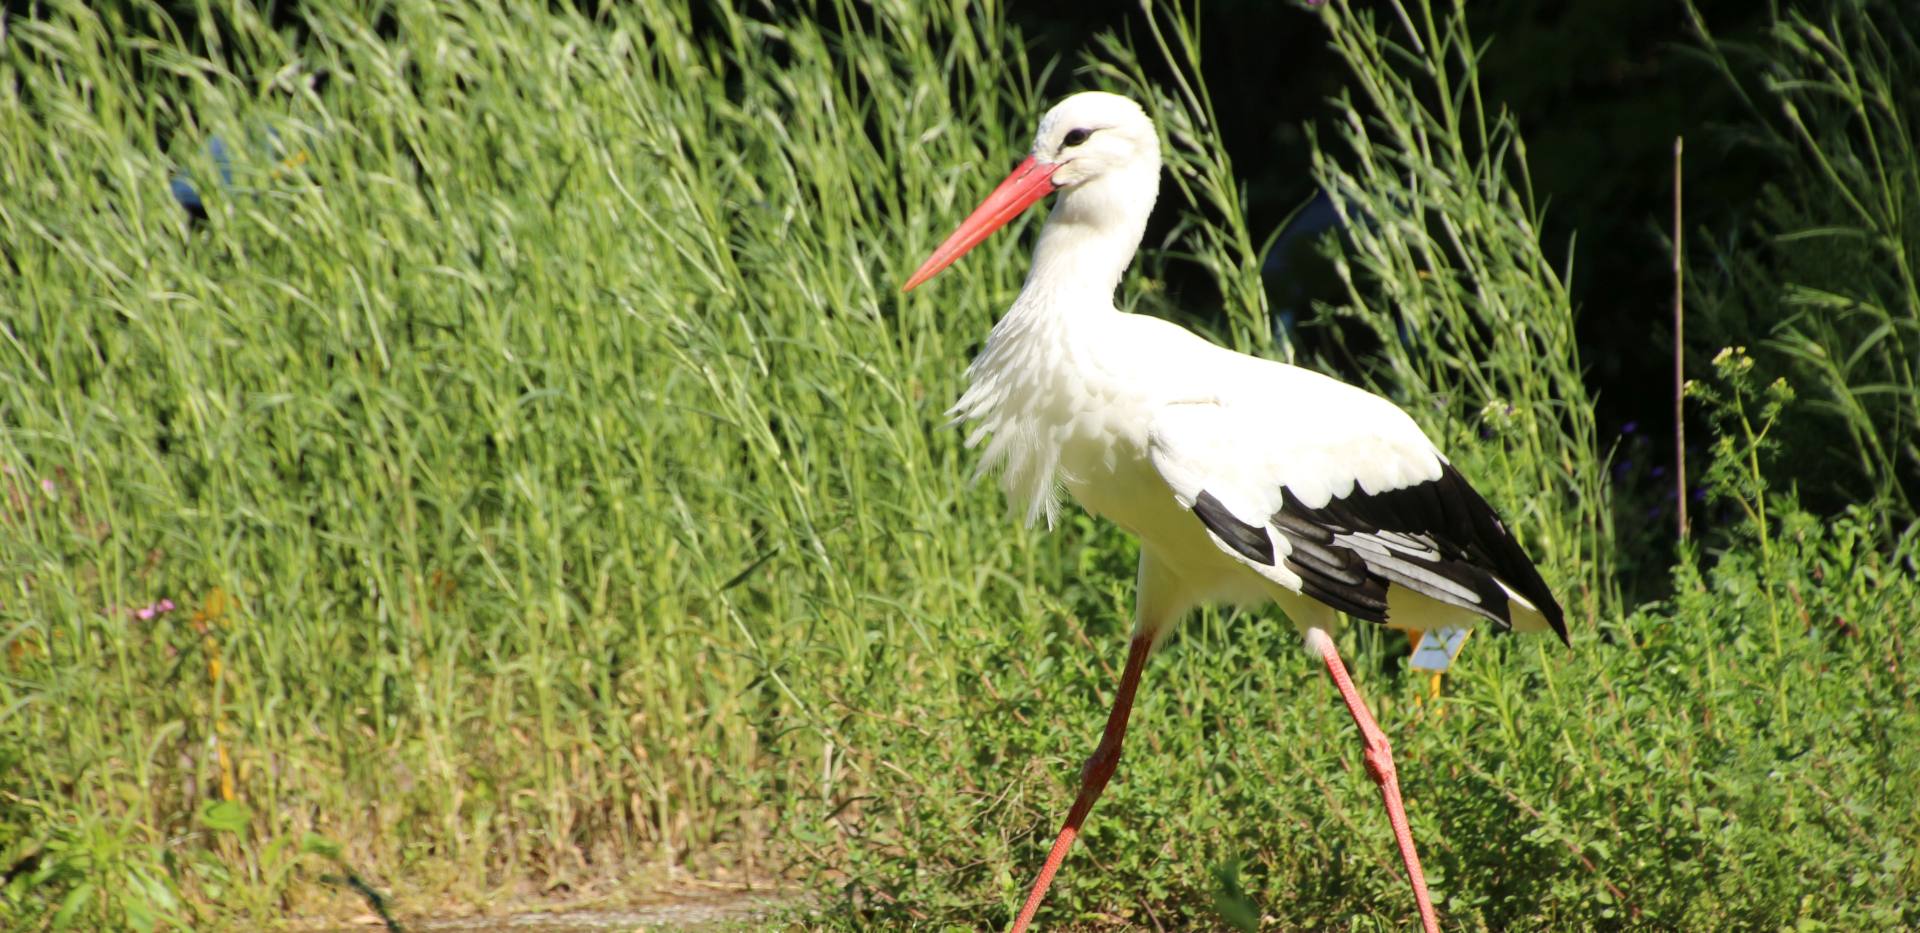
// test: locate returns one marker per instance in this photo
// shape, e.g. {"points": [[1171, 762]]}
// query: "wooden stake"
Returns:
{"points": [[1679, 346]]}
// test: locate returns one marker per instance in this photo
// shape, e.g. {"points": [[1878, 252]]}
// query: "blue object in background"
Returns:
{"points": [[268, 146], [1297, 274], [182, 185], [1294, 266]]}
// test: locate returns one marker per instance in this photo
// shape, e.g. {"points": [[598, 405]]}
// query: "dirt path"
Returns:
{"points": [[686, 913]]}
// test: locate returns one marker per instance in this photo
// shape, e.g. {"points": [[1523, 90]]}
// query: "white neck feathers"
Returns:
{"points": [[1089, 240], [1023, 387]]}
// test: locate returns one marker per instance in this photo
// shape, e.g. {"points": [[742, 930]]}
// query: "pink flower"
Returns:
{"points": [[47, 484], [144, 613], [164, 605]]}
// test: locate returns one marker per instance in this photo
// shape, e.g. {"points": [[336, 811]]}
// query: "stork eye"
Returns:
{"points": [[1075, 138]]}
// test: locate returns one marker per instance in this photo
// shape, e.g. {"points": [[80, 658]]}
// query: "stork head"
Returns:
{"points": [[1100, 150], [1090, 135]]}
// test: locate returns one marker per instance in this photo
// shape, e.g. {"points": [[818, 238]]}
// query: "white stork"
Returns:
{"points": [[1246, 480]]}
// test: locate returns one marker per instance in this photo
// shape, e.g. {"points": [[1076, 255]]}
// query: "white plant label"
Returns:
{"points": [[1438, 648]]}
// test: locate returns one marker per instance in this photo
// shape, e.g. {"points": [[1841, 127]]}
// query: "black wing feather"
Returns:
{"points": [[1439, 538], [1250, 540], [1333, 575]]}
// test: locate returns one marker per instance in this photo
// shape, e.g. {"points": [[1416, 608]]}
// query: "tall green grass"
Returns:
{"points": [[1443, 262], [552, 438], [1825, 275], [556, 497]]}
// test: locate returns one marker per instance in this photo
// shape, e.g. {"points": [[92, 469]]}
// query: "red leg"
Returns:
{"points": [[1379, 756], [1093, 777]]}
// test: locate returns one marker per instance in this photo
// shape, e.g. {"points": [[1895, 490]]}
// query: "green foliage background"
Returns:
{"points": [[555, 495]]}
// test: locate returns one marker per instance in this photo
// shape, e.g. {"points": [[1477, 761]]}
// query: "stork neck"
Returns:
{"points": [[1088, 242]]}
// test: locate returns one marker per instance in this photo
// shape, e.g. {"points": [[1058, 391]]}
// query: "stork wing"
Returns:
{"points": [[1342, 501]]}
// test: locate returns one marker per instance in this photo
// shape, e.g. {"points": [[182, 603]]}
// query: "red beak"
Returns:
{"points": [[1030, 182]]}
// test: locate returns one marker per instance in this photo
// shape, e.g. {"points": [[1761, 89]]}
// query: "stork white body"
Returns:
{"points": [[1246, 480], [1134, 416]]}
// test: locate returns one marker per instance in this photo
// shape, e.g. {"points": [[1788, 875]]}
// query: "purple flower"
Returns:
{"points": [[144, 613], [164, 605], [1630, 427]]}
